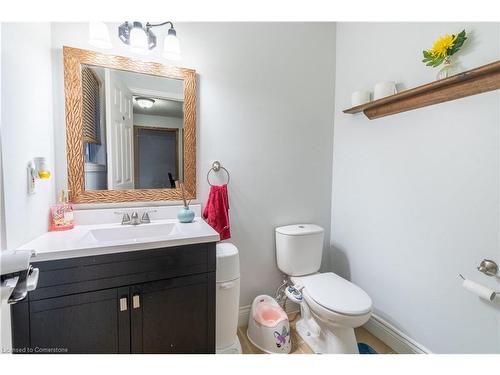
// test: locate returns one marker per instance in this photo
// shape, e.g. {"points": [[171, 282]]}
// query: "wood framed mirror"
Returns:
{"points": [[130, 128]]}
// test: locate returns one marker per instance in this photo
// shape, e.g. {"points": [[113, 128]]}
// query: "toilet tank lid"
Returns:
{"points": [[299, 229]]}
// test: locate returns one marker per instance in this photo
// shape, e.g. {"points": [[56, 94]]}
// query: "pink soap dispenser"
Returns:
{"points": [[61, 214]]}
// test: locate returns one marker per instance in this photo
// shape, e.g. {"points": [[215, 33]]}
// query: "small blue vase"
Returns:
{"points": [[185, 215]]}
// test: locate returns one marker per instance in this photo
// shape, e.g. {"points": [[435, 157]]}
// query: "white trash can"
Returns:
{"points": [[227, 299]]}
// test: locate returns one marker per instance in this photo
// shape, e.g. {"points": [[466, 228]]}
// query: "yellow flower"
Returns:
{"points": [[442, 45]]}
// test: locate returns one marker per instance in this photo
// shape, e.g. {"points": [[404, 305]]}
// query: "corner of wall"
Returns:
{"points": [[5, 336], [330, 229], [2, 214], [58, 110]]}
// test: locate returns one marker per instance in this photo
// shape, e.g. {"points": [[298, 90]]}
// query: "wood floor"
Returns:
{"points": [[300, 347]]}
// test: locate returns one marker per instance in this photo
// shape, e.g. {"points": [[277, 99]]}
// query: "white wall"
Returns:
{"points": [[5, 339], [27, 132], [416, 195], [27, 126], [265, 110], [158, 121], [2, 212]]}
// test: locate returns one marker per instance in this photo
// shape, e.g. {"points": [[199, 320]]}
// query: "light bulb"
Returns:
{"points": [[171, 47], [139, 40], [99, 35]]}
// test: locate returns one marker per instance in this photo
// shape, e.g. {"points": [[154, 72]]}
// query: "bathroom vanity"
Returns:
{"points": [[135, 295]]}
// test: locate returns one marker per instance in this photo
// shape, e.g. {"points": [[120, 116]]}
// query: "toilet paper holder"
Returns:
{"points": [[488, 267]]}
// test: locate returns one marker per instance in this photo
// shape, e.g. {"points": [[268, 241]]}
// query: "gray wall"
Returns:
{"points": [[416, 195], [266, 112]]}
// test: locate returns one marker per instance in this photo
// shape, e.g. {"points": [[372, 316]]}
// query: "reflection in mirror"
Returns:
{"points": [[132, 129]]}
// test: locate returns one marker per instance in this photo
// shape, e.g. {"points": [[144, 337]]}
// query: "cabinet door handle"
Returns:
{"points": [[123, 304], [136, 301]]}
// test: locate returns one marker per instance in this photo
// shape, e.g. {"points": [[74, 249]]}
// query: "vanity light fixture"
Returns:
{"points": [[138, 37], [141, 38], [144, 102]]}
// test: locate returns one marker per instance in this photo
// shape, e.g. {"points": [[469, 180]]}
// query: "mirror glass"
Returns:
{"points": [[132, 129]]}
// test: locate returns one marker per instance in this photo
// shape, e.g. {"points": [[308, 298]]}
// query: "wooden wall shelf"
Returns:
{"points": [[475, 81]]}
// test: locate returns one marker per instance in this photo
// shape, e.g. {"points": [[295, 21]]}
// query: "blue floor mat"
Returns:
{"points": [[365, 348]]}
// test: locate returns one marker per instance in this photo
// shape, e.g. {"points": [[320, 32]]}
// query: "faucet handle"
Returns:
{"points": [[145, 217], [125, 217]]}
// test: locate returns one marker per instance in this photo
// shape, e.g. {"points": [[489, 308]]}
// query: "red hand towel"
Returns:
{"points": [[216, 211]]}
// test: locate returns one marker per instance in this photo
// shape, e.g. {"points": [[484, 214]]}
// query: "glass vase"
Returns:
{"points": [[447, 70]]}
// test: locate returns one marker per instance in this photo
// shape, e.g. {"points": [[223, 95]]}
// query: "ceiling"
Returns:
{"points": [[149, 85]]}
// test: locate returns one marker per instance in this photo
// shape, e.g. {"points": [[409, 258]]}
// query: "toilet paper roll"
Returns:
{"points": [[479, 290]]}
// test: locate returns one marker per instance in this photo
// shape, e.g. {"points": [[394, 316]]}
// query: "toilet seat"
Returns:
{"points": [[335, 293]]}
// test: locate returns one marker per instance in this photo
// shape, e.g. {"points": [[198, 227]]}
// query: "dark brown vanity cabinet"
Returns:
{"points": [[150, 301]]}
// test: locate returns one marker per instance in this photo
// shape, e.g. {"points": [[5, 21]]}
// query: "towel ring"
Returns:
{"points": [[216, 167]]}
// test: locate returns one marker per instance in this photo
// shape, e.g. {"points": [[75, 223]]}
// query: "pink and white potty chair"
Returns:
{"points": [[268, 326]]}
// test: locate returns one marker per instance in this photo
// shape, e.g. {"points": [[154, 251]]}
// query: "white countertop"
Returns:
{"points": [[80, 242]]}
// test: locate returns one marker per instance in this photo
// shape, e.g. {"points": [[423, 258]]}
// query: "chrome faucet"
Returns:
{"points": [[133, 219]]}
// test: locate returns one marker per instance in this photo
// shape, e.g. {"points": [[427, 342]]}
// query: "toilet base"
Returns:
{"points": [[325, 338]]}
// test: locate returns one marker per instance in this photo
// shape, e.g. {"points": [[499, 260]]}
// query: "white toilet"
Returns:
{"points": [[331, 306]]}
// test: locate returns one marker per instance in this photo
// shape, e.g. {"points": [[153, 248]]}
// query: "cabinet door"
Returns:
{"points": [[174, 316], [95, 322]]}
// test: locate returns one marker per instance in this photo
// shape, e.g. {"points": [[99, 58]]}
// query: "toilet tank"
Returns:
{"points": [[299, 248]]}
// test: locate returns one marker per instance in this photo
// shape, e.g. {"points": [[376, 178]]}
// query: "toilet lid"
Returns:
{"points": [[335, 293]]}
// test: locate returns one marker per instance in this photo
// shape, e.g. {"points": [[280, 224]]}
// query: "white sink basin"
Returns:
{"points": [[132, 233], [106, 236]]}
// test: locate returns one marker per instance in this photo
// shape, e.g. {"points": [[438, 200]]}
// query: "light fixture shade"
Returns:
{"points": [[145, 102], [139, 40], [99, 35], [171, 47]]}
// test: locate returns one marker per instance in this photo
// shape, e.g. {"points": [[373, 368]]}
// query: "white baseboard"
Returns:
{"points": [[291, 307], [393, 337]]}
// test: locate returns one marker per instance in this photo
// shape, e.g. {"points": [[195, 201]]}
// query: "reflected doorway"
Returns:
{"points": [[156, 152]]}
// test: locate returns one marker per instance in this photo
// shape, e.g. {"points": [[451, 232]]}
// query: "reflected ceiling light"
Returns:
{"points": [[99, 35], [144, 102], [141, 38]]}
